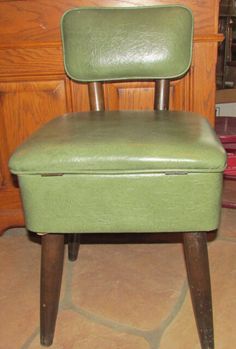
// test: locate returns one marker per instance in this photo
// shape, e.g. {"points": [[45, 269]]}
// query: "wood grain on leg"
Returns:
{"points": [[51, 274], [196, 255]]}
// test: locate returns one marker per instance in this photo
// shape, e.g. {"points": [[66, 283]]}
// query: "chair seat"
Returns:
{"points": [[100, 142], [121, 172]]}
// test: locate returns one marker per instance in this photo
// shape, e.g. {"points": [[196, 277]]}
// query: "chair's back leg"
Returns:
{"points": [[196, 255], [73, 246], [96, 100], [51, 275]]}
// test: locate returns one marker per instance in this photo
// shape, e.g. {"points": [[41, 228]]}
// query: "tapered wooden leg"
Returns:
{"points": [[196, 255], [73, 246], [51, 274]]}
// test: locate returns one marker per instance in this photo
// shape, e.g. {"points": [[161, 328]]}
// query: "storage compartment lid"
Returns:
{"points": [[121, 142]]}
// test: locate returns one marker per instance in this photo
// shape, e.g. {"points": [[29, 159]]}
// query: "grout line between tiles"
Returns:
{"points": [[30, 339], [158, 334], [153, 337], [225, 238]]}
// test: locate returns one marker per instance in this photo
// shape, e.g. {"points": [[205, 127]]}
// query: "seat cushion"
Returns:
{"points": [[121, 172], [121, 142]]}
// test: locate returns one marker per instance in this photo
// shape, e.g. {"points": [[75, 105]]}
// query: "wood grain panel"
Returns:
{"points": [[129, 96], [180, 98], [204, 80], [10, 218], [5, 175], [28, 105], [23, 61], [11, 213], [80, 96], [1, 177], [140, 95], [38, 21]]}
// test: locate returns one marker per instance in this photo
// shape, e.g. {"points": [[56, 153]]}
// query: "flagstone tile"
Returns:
{"points": [[182, 331], [227, 227], [135, 285], [19, 288], [73, 332]]}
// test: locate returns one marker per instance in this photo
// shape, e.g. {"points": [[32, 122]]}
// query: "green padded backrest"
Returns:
{"points": [[102, 44]]}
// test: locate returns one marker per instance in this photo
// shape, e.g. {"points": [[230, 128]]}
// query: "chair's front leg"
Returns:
{"points": [[196, 255], [73, 246], [51, 274]]}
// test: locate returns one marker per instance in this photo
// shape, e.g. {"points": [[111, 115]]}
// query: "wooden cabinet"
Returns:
{"points": [[34, 87]]}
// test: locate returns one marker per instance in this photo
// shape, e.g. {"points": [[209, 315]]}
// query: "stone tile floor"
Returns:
{"points": [[118, 296]]}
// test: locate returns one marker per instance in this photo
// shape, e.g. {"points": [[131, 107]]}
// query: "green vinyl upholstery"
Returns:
{"points": [[127, 43], [121, 172], [124, 171], [121, 142]]}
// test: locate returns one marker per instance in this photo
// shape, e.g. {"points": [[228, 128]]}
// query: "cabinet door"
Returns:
{"points": [[204, 78], [134, 95], [140, 95], [25, 106], [1, 176]]}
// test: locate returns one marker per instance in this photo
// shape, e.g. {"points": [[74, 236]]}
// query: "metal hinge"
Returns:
{"points": [[176, 173], [51, 174]]}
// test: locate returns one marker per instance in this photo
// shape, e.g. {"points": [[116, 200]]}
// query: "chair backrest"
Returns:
{"points": [[104, 44]]}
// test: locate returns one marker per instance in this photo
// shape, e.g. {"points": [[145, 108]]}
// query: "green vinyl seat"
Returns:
{"points": [[124, 174], [124, 171]]}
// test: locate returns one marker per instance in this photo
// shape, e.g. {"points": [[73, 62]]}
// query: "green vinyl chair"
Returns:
{"points": [[123, 171]]}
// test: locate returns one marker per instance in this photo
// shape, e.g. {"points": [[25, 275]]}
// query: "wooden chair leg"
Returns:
{"points": [[73, 246], [51, 274], [196, 255]]}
